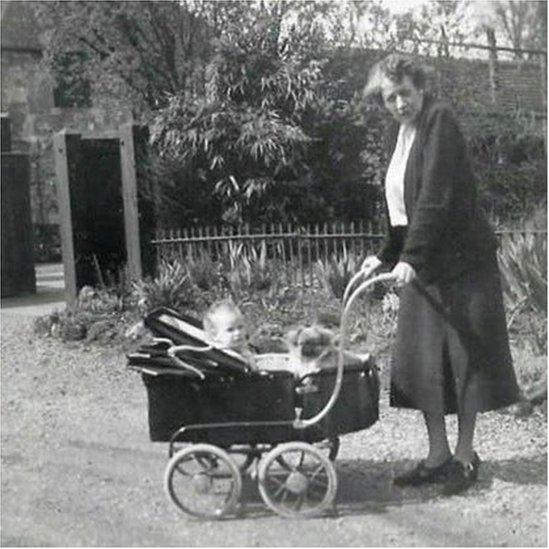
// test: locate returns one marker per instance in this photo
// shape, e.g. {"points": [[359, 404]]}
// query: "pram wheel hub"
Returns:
{"points": [[297, 480], [203, 481], [297, 483]]}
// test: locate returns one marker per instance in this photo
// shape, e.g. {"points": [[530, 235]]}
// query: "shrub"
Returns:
{"points": [[531, 371], [96, 314], [510, 191], [507, 146], [203, 270], [335, 273], [249, 269], [172, 287], [523, 260]]}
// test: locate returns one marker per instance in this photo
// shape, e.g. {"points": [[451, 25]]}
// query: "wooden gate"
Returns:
{"points": [[17, 267], [99, 208]]}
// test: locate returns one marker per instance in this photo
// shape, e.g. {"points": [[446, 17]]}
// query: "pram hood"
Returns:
{"points": [[172, 328]]}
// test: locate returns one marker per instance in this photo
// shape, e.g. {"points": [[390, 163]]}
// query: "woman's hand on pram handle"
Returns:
{"points": [[368, 267], [403, 273]]}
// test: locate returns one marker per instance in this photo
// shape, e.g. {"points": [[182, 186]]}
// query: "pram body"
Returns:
{"points": [[213, 401], [175, 401]]}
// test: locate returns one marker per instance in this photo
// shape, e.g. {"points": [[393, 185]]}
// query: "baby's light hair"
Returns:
{"points": [[226, 304]]}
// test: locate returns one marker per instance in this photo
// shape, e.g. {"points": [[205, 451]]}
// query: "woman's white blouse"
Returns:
{"points": [[394, 179]]}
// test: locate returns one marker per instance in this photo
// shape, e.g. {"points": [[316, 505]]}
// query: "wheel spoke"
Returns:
{"points": [[302, 458], [316, 472], [277, 481], [181, 471], [299, 501], [288, 466], [279, 490], [206, 462], [318, 483]]}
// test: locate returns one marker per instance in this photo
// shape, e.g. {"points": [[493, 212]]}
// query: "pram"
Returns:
{"points": [[281, 430]]}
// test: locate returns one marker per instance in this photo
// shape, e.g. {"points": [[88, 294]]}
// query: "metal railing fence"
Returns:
{"points": [[293, 250]]}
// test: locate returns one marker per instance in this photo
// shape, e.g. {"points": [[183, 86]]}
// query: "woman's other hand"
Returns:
{"points": [[403, 273], [370, 264]]}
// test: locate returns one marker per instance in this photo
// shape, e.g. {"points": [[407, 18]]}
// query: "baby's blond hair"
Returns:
{"points": [[226, 304]]}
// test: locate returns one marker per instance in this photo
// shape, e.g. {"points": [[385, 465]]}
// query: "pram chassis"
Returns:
{"points": [[295, 478]]}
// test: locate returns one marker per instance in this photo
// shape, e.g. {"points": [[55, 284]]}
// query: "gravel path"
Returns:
{"points": [[78, 469]]}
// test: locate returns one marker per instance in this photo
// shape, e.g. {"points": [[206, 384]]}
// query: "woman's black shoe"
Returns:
{"points": [[461, 476], [421, 474]]}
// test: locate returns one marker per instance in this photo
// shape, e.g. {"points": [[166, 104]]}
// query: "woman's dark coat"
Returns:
{"points": [[447, 233], [452, 348]]}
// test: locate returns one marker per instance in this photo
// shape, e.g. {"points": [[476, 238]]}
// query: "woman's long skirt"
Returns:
{"points": [[452, 349]]}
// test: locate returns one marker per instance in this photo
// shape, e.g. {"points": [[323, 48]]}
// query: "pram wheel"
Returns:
{"points": [[203, 481], [329, 447], [297, 480]]}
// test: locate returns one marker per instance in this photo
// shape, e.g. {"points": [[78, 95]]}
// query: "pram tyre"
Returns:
{"points": [[296, 490], [208, 464]]}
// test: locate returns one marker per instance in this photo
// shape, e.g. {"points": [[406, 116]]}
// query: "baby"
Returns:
{"points": [[226, 329]]}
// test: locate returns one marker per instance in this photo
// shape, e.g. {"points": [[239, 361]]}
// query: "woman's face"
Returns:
{"points": [[402, 99]]}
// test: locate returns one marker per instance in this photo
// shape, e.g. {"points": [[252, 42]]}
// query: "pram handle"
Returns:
{"points": [[356, 276], [176, 348], [345, 307]]}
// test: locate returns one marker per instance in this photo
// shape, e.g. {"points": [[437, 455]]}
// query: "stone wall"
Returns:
{"points": [[27, 97]]}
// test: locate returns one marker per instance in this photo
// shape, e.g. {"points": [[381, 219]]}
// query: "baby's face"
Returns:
{"points": [[230, 329]]}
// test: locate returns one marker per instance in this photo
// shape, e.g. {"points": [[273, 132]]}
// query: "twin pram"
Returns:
{"points": [[222, 419]]}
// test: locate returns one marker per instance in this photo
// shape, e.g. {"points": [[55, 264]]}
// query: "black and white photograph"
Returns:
{"points": [[273, 273]]}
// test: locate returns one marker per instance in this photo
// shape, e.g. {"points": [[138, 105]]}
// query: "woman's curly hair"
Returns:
{"points": [[396, 67]]}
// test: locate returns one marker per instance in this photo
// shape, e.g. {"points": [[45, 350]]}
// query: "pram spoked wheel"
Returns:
{"points": [[242, 460], [297, 480], [203, 481]]}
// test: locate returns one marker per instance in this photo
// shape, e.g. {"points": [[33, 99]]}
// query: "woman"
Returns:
{"points": [[451, 352]]}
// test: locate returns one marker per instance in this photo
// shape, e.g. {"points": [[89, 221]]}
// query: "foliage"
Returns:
{"points": [[524, 24], [203, 271], [531, 370], [172, 287], [97, 315], [509, 192], [507, 147], [245, 132], [278, 135], [389, 307], [256, 106], [249, 269], [503, 134], [523, 260], [430, 29], [335, 273], [132, 52]]}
